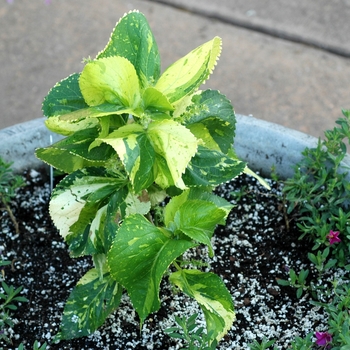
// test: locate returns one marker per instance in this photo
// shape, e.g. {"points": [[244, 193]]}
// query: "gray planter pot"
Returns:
{"points": [[261, 144]]}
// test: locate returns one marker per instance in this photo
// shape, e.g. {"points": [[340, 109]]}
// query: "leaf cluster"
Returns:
{"points": [[187, 330], [134, 139], [9, 183], [338, 309], [264, 344], [8, 297], [320, 191]]}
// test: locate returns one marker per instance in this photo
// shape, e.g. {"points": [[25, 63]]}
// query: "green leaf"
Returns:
{"points": [[95, 112], [88, 305], [195, 194], [64, 97], [154, 101], [160, 153], [138, 259], [283, 282], [78, 208], [175, 145], [72, 153], [213, 297], [201, 222], [186, 75], [110, 80], [211, 168], [132, 38], [211, 118], [64, 127], [136, 152]]}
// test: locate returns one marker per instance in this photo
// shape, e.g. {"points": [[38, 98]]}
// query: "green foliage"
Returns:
{"points": [[135, 136], [303, 343], [320, 192], [338, 309], [265, 344], [36, 346], [297, 281], [195, 337], [9, 183], [8, 297]]}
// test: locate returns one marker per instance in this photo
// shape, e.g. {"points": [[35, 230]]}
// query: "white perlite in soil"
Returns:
{"points": [[251, 252]]}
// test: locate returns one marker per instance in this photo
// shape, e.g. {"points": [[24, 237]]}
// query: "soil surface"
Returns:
{"points": [[252, 251]]}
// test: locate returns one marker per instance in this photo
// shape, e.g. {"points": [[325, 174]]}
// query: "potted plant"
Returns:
{"points": [[143, 152]]}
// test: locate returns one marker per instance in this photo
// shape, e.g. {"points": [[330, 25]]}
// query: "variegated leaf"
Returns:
{"points": [[211, 118], [136, 152], [175, 145], [88, 305], [213, 297], [72, 153], [75, 209], [211, 168], [195, 193], [200, 224], [186, 75], [133, 39], [138, 259], [64, 97], [160, 153], [110, 80], [155, 102]]}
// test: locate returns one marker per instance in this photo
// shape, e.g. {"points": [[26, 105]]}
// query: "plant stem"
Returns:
{"points": [[12, 217]]}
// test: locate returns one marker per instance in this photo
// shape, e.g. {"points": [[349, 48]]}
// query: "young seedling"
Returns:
{"points": [[9, 183], [263, 345], [8, 296], [194, 336]]}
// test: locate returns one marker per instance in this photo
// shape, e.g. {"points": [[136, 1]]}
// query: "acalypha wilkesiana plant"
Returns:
{"points": [[136, 139]]}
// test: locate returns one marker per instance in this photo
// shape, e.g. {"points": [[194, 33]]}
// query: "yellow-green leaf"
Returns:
{"points": [[112, 80], [174, 144], [133, 39], [213, 297], [186, 75]]}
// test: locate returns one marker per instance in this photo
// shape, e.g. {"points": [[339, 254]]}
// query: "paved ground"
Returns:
{"points": [[286, 61]]}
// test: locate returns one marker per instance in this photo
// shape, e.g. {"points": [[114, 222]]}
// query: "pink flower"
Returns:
{"points": [[333, 237], [323, 338]]}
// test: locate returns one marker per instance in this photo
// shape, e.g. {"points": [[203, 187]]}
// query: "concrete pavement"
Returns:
{"points": [[286, 61]]}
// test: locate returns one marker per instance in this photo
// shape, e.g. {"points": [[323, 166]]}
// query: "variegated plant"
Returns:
{"points": [[136, 139]]}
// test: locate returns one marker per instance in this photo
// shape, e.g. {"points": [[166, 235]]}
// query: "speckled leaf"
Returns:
{"points": [[132, 38], [72, 153], [213, 297], [138, 259], [63, 127], [186, 75], [210, 117], [160, 153], [175, 145], [78, 205], [211, 168], [136, 152], [88, 305], [95, 112], [110, 80], [195, 193], [200, 224], [64, 97]]}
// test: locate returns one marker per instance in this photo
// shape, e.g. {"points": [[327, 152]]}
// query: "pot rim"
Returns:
{"points": [[260, 143]]}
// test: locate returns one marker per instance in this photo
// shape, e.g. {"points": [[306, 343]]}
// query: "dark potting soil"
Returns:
{"points": [[252, 251]]}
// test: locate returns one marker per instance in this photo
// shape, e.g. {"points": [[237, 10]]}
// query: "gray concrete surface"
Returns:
{"points": [[263, 68]]}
